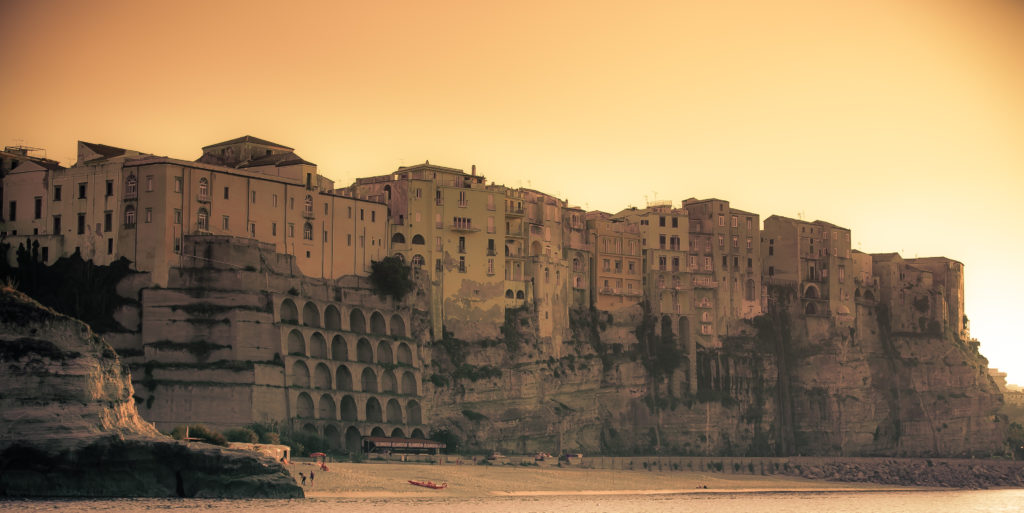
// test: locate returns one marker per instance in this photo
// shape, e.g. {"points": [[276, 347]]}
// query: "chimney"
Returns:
{"points": [[474, 169]]}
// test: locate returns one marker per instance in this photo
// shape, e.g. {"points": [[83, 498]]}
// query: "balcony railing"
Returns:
{"points": [[704, 283], [203, 198], [133, 195], [513, 212]]}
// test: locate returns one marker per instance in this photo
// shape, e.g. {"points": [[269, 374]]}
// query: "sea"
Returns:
{"points": [[988, 501]]}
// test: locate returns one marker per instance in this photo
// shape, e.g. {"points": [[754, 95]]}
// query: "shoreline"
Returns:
{"points": [[390, 480]]}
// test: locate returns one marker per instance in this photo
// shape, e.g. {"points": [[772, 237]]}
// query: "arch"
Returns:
{"points": [[408, 383], [749, 290], [308, 205], [535, 248], [666, 327], [398, 238], [317, 346], [311, 315], [131, 185], [304, 406], [576, 265], [368, 381], [332, 318], [343, 378], [348, 409], [377, 431], [684, 331], [289, 313], [373, 411], [356, 321], [377, 325], [397, 326], [384, 353], [869, 296], [404, 354], [509, 294], [300, 374], [417, 261], [856, 294], [811, 309], [204, 187], [321, 376], [333, 436], [296, 344], [339, 348], [394, 412], [520, 294], [418, 239], [388, 383], [397, 433], [811, 292], [310, 428], [415, 416], [364, 352], [353, 440], [417, 433], [326, 409]]}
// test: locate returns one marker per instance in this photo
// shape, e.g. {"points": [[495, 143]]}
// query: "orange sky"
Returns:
{"points": [[902, 120]]}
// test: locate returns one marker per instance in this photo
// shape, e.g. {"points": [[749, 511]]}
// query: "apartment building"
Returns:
{"points": [[24, 209], [617, 279]]}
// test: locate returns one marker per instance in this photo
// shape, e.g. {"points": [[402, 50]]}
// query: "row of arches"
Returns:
{"points": [[353, 439], [342, 379], [311, 316], [399, 238], [339, 349], [326, 408]]}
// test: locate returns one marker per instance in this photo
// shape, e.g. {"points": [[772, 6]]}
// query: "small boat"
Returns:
{"points": [[429, 484]]}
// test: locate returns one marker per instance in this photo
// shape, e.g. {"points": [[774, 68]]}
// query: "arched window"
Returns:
{"points": [[204, 187], [203, 220], [129, 216], [417, 261], [509, 294], [131, 185], [418, 239], [398, 238], [520, 295], [309, 205], [576, 265], [307, 231]]}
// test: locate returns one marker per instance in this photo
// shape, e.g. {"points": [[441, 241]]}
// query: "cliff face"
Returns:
{"points": [[801, 384], [69, 427]]}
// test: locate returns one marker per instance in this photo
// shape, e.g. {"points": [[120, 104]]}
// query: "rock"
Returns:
{"points": [[69, 427]]}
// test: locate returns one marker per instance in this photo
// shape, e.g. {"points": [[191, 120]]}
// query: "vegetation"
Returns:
{"points": [[70, 286], [201, 432], [390, 277]]}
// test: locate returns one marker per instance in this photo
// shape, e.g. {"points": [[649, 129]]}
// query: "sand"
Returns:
{"points": [[364, 480]]}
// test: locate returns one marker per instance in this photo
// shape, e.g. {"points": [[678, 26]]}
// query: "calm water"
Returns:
{"points": [[802, 502]]}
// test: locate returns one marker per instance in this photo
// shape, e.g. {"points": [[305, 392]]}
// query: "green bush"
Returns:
{"points": [[244, 435], [200, 432], [390, 277]]}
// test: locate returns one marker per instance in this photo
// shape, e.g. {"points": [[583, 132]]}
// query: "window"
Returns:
{"points": [[607, 265], [725, 262], [675, 222], [177, 245], [462, 264], [675, 263], [325, 208], [291, 229], [110, 188], [750, 223], [632, 268], [842, 273], [662, 263], [307, 231], [360, 214], [38, 204], [463, 202], [177, 184], [177, 216], [735, 221], [462, 244], [490, 266], [81, 190], [437, 265], [108, 220], [308, 205], [750, 263], [373, 216], [490, 224], [110, 246], [81, 223], [12, 211], [661, 240], [437, 243], [771, 270], [149, 184], [707, 263], [693, 262], [750, 243], [721, 220], [56, 193], [661, 221], [204, 187], [203, 220], [735, 241], [252, 197], [226, 222], [490, 202], [273, 230], [721, 241], [56, 225], [252, 229], [273, 201], [226, 195]]}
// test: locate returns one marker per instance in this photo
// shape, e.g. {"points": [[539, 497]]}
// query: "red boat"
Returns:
{"points": [[429, 484]]}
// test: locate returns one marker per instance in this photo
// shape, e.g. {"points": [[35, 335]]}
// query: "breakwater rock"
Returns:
{"points": [[971, 474], [69, 426]]}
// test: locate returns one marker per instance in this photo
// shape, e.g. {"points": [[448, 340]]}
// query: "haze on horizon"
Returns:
{"points": [[901, 121]]}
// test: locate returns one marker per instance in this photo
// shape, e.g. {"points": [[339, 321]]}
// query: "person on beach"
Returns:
{"points": [[311, 478], [303, 476]]}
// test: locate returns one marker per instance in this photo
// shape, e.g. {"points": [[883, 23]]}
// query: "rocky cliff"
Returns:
{"points": [[791, 384], [69, 427]]}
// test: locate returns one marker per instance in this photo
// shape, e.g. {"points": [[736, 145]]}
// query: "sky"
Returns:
{"points": [[901, 120]]}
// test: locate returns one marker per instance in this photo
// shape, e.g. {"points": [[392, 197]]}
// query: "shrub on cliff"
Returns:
{"points": [[390, 277], [199, 432], [243, 435]]}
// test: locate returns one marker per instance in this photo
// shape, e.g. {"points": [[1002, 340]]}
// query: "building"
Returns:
{"points": [[723, 254], [816, 259], [916, 299], [617, 278]]}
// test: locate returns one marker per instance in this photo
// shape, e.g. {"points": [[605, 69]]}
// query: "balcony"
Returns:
{"points": [[463, 227], [130, 196], [307, 214], [616, 291], [491, 252], [704, 283], [513, 212], [203, 197]]}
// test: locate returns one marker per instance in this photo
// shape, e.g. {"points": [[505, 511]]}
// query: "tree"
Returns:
{"points": [[390, 277]]}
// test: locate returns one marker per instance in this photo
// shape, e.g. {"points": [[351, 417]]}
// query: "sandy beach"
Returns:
{"points": [[361, 480]]}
